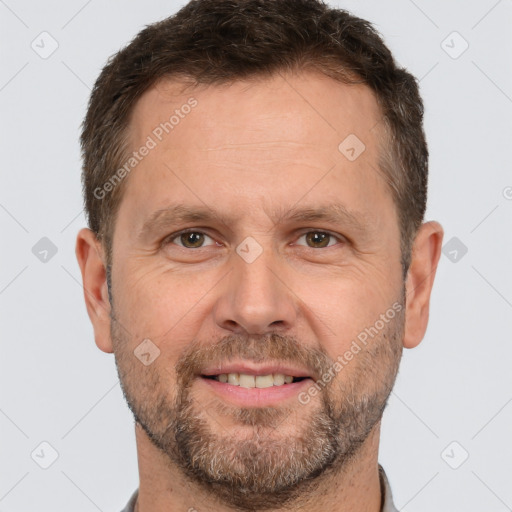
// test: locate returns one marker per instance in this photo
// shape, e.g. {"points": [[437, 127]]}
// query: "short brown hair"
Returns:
{"points": [[219, 41]]}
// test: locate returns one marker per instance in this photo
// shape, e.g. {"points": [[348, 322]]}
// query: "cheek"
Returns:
{"points": [[349, 307], [158, 302]]}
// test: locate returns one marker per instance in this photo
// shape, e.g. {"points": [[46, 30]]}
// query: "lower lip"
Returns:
{"points": [[256, 397]]}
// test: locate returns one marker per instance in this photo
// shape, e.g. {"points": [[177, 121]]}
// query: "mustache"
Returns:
{"points": [[257, 349]]}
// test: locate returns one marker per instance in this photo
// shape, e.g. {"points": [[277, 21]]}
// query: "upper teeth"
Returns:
{"points": [[254, 381]]}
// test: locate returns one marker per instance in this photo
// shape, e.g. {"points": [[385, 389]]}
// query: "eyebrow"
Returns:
{"points": [[333, 213]]}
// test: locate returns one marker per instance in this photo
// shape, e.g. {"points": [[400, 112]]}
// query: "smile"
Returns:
{"points": [[245, 380], [246, 384]]}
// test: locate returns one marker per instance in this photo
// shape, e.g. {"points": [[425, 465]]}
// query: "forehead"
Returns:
{"points": [[265, 142], [305, 107]]}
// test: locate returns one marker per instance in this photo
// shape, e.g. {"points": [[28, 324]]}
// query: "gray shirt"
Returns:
{"points": [[387, 506]]}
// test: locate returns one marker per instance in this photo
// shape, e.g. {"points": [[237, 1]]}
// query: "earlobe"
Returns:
{"points": [[425, 256], [90, 258]]}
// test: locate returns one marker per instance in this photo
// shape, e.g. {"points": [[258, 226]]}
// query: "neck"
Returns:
{"points": [[163, 486]]}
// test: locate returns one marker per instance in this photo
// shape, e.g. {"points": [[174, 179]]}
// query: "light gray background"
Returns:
{"points": [[56, 386]]}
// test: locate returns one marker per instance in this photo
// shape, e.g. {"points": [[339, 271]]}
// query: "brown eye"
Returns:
{"points": [[318, 239], [190, 239]]}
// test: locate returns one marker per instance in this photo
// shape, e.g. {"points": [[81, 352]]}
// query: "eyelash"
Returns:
{"points": [[173, 236]]}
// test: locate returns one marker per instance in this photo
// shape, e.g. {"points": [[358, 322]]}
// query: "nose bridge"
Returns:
{"points": [[255, 271], [255, 299]]}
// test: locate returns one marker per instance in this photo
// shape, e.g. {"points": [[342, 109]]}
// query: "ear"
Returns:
{"points": [[425, 255], [89, 253]]}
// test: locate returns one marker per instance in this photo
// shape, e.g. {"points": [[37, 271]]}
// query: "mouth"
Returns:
{"points": [[249, 385]]}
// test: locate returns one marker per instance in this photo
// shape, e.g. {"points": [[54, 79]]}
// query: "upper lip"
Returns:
{"points": [[249, 368]]}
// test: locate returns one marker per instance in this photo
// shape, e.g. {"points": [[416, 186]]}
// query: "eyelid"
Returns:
{"points": [[168, 239]]}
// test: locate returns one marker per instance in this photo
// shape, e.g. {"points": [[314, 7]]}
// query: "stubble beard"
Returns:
{"points": [[282, 454]]}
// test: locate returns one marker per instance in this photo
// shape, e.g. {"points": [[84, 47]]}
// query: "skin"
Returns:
{"points": [[252, 165]]}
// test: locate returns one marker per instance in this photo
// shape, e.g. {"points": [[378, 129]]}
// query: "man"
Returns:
{"points": [[255, 180]]}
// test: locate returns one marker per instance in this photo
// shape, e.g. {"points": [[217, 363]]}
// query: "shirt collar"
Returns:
{"points": [[387, 496]]}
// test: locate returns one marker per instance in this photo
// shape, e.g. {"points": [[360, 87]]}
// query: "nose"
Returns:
{"points": [[254, 299]]}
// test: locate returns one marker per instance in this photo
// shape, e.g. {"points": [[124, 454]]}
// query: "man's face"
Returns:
{"points": [[261, 290]]}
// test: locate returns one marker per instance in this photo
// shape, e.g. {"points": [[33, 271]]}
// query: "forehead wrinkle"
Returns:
{"points": [[263, 143]]}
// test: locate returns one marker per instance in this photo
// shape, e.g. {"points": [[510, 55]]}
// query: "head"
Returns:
{"points": [[288, 143]]}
